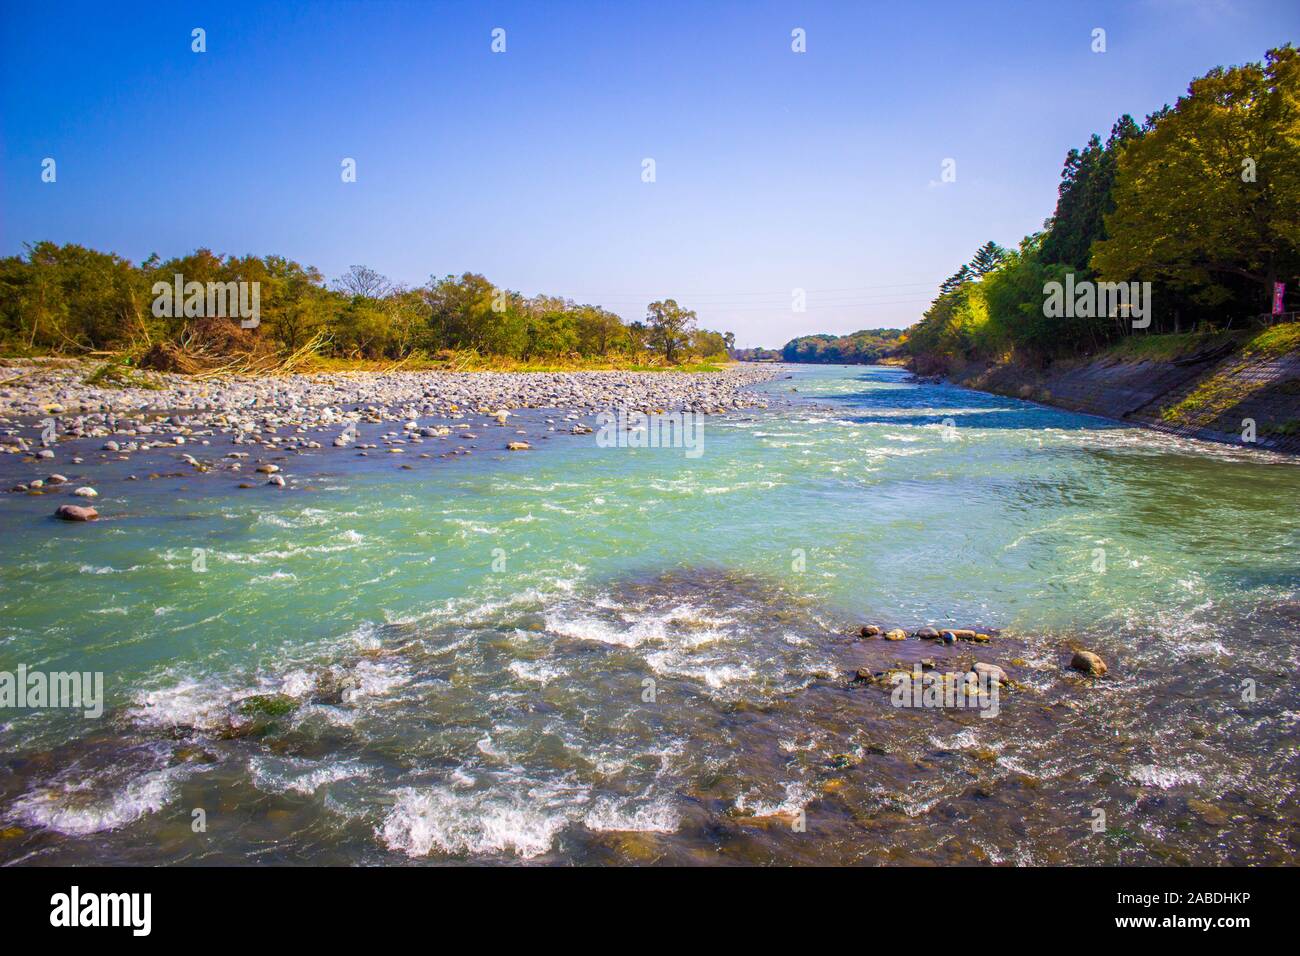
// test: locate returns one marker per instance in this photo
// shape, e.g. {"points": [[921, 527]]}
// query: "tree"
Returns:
{"points": [[364, 282], [1086, 196], [1210, 194], [987, 258], [956, 280], [598, 330], [670, 328]]}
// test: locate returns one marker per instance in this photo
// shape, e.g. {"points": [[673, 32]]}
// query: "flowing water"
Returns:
{"points": [[626, 655]]}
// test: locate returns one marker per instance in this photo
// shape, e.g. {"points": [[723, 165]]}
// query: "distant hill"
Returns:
{"points": [[857, 348]]}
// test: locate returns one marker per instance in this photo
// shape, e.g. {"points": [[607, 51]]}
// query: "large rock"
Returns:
{"points": [[896, 634], [1089, 663], [870, 630], [991, 672], [76, 513]]}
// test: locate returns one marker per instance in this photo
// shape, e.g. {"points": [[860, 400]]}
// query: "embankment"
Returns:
{"points": [[1241, 389]]}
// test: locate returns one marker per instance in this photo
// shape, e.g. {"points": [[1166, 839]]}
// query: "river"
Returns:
{"points": [[633, 655]]}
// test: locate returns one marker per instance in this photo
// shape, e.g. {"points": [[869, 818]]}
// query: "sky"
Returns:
{"points": [[774, 170]]}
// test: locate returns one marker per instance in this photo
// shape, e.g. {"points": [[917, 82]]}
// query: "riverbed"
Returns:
{"points": [[585, 653]]}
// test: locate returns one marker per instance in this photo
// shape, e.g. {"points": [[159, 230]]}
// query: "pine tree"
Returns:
{"points": [[987, 258], [956, 280]]}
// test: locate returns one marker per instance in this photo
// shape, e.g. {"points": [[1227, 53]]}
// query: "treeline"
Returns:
{"points": [[857, 348], [1202, 200], [73, 300]]}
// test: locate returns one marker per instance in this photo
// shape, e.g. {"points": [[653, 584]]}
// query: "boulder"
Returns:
{"points": [[1089, 663], [85, 491], [926, 633], [76, 513], [991, 672], [870, 630], [518, 446], [896, 634]]}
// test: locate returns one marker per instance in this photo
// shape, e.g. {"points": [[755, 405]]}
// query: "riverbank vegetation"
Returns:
{"points": [[75, 301], [865, 347], [1202, 200]]}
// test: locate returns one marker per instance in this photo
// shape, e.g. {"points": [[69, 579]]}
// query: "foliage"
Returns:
{"points": [[1210, 195], [865, 347], [69, 299], [1202, 201], [671, 328]]}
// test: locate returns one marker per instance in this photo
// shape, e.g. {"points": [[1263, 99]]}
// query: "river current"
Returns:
{"points": [[584, 654]]}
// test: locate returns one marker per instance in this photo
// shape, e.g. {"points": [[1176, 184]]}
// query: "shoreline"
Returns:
{"points": [[256, 408], [1099, 387]]}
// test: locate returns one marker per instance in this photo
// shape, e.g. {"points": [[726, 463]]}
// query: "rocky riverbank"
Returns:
{"points": [[42, 403]]}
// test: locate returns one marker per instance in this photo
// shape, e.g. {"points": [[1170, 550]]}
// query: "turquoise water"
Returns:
{"points": [[459, 652]]}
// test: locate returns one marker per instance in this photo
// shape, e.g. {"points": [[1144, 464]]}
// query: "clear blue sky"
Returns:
{"points": [[775, 170]]}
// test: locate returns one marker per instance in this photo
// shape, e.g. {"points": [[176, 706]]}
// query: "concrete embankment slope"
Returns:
{"points": [[1212, 391]]}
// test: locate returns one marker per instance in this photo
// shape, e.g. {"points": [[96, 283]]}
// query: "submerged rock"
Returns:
{"points": [[1089, 663], [76, 513], [258, 714], [992, 672]]}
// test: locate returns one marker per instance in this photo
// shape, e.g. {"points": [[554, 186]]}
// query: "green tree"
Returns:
{"points": [[1211, 193], [987, 257], [956, 280], [670, 328], [1086, 196]]}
